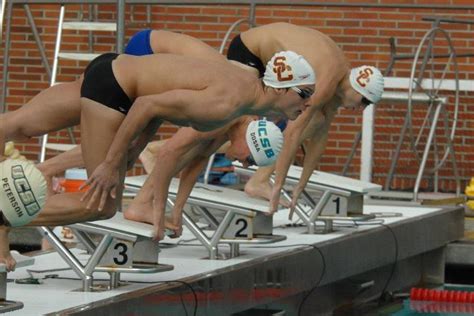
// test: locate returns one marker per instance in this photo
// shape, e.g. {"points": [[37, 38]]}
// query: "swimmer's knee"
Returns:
{"points": [[109, 210], [4, 126], [106, 213], [13, 127], [25, 131]]}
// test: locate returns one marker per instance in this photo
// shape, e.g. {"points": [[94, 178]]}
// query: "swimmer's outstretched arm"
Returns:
{"points": [[314, 151], [293, 139], [170, 159], [189, 177], [175, 106], [180, 151]]}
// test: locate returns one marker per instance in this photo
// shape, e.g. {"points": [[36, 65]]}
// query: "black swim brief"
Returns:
{"points": [[101, 86], [239, 52]]}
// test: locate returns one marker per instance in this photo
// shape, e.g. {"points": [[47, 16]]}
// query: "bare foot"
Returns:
{"points": [[5, 255], [148, 160], [140, 210], [262, 190], [143, 212], [258, 189]]}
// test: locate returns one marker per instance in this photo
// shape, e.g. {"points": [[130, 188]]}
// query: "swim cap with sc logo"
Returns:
{"points": [[265, 141], [22, 191], [368, 81], [288, 69]]}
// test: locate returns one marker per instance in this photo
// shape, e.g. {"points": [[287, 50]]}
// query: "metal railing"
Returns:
{"points": [[2, 12], [422, 59]]}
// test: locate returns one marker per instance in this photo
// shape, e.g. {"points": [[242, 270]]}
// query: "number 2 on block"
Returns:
{"points": [[244, 227]]}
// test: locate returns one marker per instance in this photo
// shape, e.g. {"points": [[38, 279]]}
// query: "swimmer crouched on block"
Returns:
{"points": [[124, 97]]}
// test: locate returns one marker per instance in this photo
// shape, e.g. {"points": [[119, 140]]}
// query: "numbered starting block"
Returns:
{"points": [[244, 220], [339, 198], [6, 305], [125, 247]]}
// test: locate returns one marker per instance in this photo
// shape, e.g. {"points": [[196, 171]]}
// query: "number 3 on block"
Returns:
{"points": [[119, 253]]}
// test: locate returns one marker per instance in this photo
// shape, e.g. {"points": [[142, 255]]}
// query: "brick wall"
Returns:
{"points": [[363, 33]]}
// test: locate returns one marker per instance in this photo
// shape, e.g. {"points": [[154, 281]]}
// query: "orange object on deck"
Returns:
{"points": [[73, 180]]}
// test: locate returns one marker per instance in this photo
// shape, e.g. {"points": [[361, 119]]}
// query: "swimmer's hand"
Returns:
{"points": [[294, 200], [174, 224], [103, 181], [274, 200]]}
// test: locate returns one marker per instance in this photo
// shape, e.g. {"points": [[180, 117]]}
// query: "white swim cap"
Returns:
{"points": [[23, 191], [288, 69], [368, 81], [265, 141]]}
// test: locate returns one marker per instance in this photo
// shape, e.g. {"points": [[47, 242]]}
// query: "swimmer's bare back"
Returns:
{"points": [[223, 86], [324, 55]]}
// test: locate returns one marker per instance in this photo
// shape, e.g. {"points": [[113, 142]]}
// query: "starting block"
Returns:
{"points": [[341, 198], [125, 247], [244, 221], [21, 261]]}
